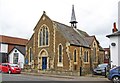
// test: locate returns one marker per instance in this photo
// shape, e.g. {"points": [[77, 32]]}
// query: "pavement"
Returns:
{"points": [[62, 76]]}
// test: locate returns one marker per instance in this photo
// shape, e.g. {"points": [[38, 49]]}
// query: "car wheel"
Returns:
{"points": [[9, 72], [116, 79]]}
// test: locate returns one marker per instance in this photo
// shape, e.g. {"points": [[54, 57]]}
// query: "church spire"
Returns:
{"points": [[73, 18]]}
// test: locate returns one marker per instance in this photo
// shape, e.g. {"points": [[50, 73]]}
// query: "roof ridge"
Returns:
{"points": [[62, 24], [13, 40], [14, 37]]}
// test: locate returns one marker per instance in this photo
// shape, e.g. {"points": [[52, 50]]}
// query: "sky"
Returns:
{"points": [[96, 17]]}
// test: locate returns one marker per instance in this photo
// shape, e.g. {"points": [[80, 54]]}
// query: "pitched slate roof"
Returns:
{"points": [[89, 39], [20, 49], [72, 35], [13, 40]]}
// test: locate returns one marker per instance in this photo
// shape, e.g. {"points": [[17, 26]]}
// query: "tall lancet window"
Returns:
{"points": [[94, 52], [46, 36], [86, 56], [60, 53], [30, 55], [43, 36], [41, 39], [75, 56]]}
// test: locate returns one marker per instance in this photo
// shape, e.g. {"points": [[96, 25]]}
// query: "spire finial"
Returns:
{"points": [[73, 18], [44, 12]]}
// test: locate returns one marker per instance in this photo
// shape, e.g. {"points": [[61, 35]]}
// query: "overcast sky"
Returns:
{"points": [[19, 17]]}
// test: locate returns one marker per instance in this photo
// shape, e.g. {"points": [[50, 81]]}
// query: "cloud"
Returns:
{"points": [[19, 17]]}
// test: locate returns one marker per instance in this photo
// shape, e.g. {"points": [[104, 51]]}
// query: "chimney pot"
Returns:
{"points": [[114, 27]]}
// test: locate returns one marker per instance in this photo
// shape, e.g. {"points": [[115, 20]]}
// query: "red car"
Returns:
{"points": [[9, 68]]}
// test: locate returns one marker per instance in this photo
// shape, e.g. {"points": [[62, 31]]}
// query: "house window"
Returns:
{"points": [[60, 54], [75, 56], [15, 58], [31, 55], [43, 36], [15, 50], [86, 56]]}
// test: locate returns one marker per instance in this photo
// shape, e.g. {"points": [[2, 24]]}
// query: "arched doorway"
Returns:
{"points": [[43, 60]]}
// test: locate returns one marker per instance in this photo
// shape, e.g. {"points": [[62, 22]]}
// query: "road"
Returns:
{"points": [[21, 77]]}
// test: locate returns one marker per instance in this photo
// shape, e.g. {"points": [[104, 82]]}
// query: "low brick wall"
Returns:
{"points": [[58, 72], [85, 71]]}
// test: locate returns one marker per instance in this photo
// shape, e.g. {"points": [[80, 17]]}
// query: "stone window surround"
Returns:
{"points": [[87, 56], [45, 35], [60, 64], [76, 56]]}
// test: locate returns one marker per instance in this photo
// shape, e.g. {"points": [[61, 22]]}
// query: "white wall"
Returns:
{"points": [[119, 15], [119, 50], [20, 57], [4, 48], [114, 51]]}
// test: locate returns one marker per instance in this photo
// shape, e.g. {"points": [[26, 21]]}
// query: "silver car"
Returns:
{"points": [[100, 69]]}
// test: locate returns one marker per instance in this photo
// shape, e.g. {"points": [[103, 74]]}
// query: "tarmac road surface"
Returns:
{"points": [[51, 79]]}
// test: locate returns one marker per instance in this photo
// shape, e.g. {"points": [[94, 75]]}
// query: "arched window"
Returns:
{"points": [[43, 36], [60, 53], [46, 36], [75, 56], [94, 54], [30, 54], [41, 39], [86, 56]]}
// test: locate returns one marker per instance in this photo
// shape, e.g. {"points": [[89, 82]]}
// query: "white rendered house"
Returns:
{"points": [[115, 47], [16, 56]]}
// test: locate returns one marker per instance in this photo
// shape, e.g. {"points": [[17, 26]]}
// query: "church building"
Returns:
{"points": [[55, 46]]}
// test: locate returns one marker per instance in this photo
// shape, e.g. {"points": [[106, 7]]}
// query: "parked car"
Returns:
{"points": [[114, 75], [9, 68], [100, 69]]}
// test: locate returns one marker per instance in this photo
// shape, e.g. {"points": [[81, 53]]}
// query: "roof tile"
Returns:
{"points": [[13, 40]]}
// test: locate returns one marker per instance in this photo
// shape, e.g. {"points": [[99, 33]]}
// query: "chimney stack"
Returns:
{"points": [[114, 27]]}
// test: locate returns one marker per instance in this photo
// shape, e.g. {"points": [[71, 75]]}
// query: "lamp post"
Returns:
{"points": [[91, 61], [81, 61]]}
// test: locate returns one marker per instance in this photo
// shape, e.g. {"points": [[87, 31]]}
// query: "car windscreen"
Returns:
{"points": [[102, 65], [13, 65], [4, 65]]}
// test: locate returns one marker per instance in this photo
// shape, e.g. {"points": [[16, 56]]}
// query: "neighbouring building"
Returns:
{"points": [[107, 55], [114, 47], [115, 42], [12, 50], [57, 47]]}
